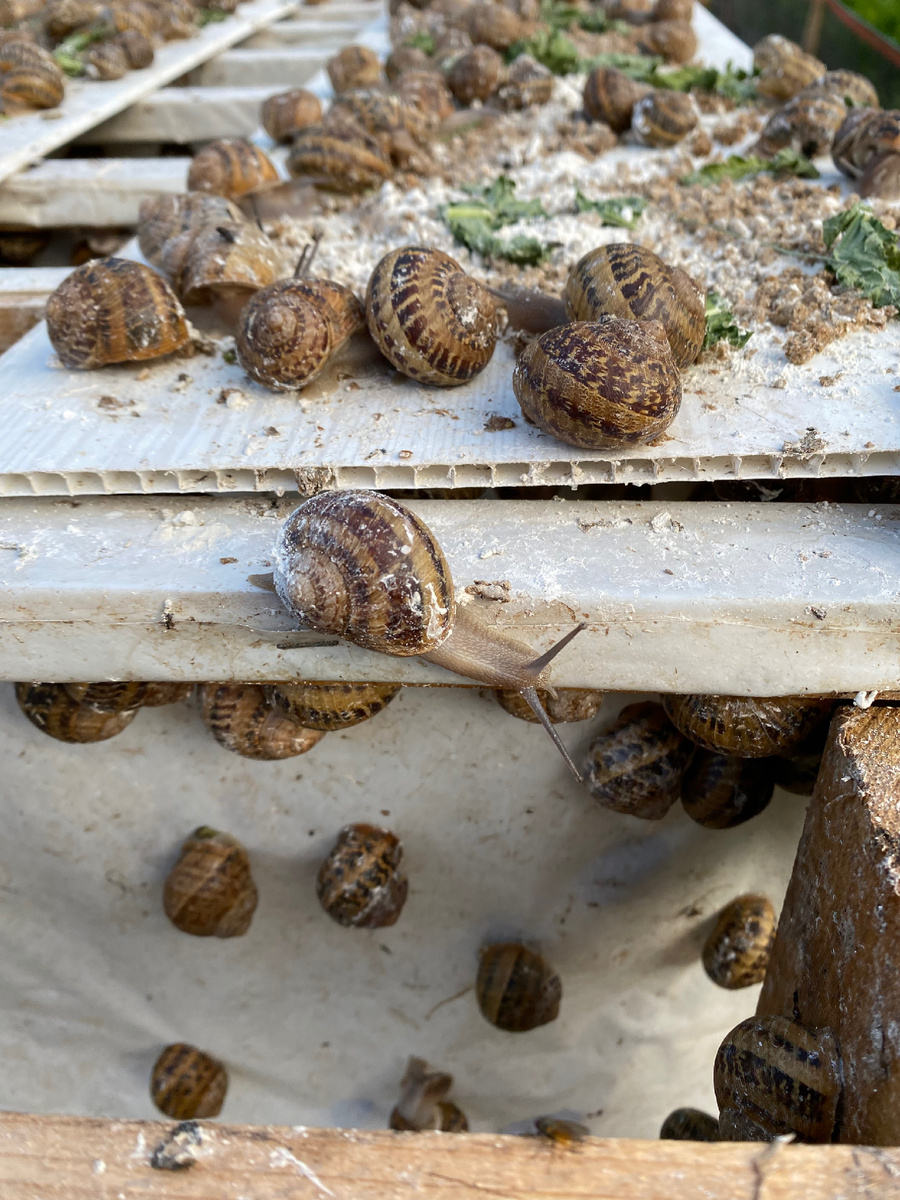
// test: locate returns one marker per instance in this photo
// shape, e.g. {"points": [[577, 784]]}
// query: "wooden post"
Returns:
{"points": [[812, 29], [836, 959]]}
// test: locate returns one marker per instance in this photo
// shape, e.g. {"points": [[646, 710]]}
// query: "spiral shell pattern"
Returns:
{"points": [[516, 988], [34, 85], [241, 719], [329, 706], [283, 339], [50, 707], [360, 884], [230, 167], [186, 1083], [283, 115], [332, 159], [108, 697], [746, 726], [210, 891], [664, 118], [636, 766], [610, 95]]}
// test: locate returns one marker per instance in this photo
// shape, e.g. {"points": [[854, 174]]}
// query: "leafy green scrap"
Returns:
{"points": [[421, 40], [475, 222], [864, 254], [622, 212], [68, 54], [739, 166], [721, 325], [550, 47]]}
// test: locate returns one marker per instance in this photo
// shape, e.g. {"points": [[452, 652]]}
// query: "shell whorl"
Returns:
{"points": [[284, 338]]}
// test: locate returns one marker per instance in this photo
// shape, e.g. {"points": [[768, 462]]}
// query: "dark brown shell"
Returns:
{"points": [[528, 83], [360, 883], [610, 95], [781, 1078], [106, 61], [329, 706], [63, 17], [636, 766], [108, 697], [404, 59], [158, 694], [230, 167], [430, 320], [210, 891], [516, 988], [112, 310], [476, 75], [689, 1125], [138, 48], [231, 256], [494, 25], [362, 566], [881, 178], [33, 85], [186, 1083], [283, 115], [798, 771], [719, 791], [385, 116], [784, 67], [427, 92], [601, 384], [451, 1118], [569, 704], [746, 726], [337, 160], [50, 707], [625, 280], [241, 719], [354, 67], [673, 39], [664, 118], [736, 953]]}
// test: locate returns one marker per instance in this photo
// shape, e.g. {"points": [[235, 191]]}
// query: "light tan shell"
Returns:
{"points": [[230, 167], [108, 697], [476, 75], [210, 891], [746, 726], [784, 67], [737, 951], [50, 707], [329, 706], [672, 39], [492, 24], [664, 117], [427, 92], [227, 256], [188, 1084], [517, 990], [569, 704], [286, 113], [166, 225], [403, 59], [354, 67], [241, 719], [528, 83], [360, 884], [30, 84], [338, 160], [610, 95], [636, 766]]}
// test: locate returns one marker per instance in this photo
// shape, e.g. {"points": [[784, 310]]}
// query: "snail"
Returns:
{"points": [[745, 726], [516, 989], [689, 1125], [784, 67], [108, 697], [674, 40], [636, 766], [403, 59], [138, 48], [476, 75], [720, 791], [528, 83], [339, 160], [866, 147], [241, 719], [810, 120], [167, 225], [31, 85], [569, 704], [186, 1083], [737, 951], [798, 771], [158, 694], [673, 10], [112, 310], [881, 179], [210, 891], [63, 17], [774, 1076], [494, 25], [426, 92], [364, 567], [224, 265], [329, 706], [106, 61], [422, 1104], [601, 384], [50, 707], [663, 118], [286, 113], [353, 67], [230, 167], [625, 280], [430, 320], [178, 19], [360, 883], [610, 95], [399, 128], [449, 45]]}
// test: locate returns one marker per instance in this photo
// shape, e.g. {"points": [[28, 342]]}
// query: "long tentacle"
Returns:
{"points": [[532, 699], [545, 659]]}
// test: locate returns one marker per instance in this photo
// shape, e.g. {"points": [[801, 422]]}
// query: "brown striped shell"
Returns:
{"points": [[230, 167], [492, 24], [167, 225], [865, 134], [737, 951], [569, 704], [636, 766], [610, 95], [746, 726], [338, 160], [362, 566], [599, 385], [106, 61], [664, 118], [427, 92], [881, 178], [178, 19], [784, 67], [422, 1104], [807, 124], [17, 50], [112, 310], [158, 694], [210, 891], [430, 320], [854, 89], [774, 1076], [516, 988], [719, 791], [528, 83], [674, 40], [329, 706], [397, 126], [186, 1083], [50, 707], [33, 85], [283, 115], [476, 75], [231, 256], [689, 1125], [354, 67], [138, 48], [241, 719], [625, 280], [108, 697], [63, 17], [403, 59], [360, 884], [673, 10]]}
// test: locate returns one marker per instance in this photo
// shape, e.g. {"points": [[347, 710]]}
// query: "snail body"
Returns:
{"points": [[476, 75], [53, 710], [230, 167], [636, 767], [241, 719], [330, 706], [210, 891], [360, 884], [338, 160], [569, 704], [516, 989], [354, 67], [663, 118], [720, 791], [689, 1125], [610, 95], [283, 115], [186, 1083], [422, 1103], [737, 951], [744, 726]]}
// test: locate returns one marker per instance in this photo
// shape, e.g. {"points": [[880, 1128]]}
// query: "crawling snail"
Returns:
{"points": [[53, 709], [516, 989], [210, 891], [737, 951], [330, 706], [242, 719], [422, 1103], [360, 883], [362, 566], [745, 726], [636, 767], [720, 791], [286, 113], [689, 1125], [230, 167], [186, 1083], [338, 159]]}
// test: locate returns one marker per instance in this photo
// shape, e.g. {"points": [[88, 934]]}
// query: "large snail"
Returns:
{"points": [[636, 766], [517, 990], [737, 951], [360, 884], [187, 1083], [230, 167], [242, 719], [746, 726], [210, 891]]}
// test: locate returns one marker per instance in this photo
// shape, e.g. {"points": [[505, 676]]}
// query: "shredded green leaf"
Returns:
{"points": [[863, 254], [558, 14], [421, 41], [738, 166], [474, 222], [733, 82], [551, 48], [498, 200], [621, 211], [68, 54], [230, 355], [209, 16], [721, 325]]}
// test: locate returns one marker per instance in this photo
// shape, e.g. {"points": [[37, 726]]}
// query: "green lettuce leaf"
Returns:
{"points": [[721, 325], [738, 166], [863, 254], [621, 211]]}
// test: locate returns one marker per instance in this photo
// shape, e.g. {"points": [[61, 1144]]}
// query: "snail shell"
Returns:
{"points": [[430, 320], [241, 719], [798, 771], [106, 61], [690, 1125], [338, 160], [360, 883], [14, 11], [283, 115], [112, 310], [398, 127], [625, 280], [158, 694], [569, 704], [108, 697], [231, 257], [854, 89], [866, 134], [17, 50], [65, 16], [664, 118], [736, 953], [746, 726], [210, 891], [50, 707], [610, 95], [166, 225], [230, 167], [427, 92], [673, 10], [673, 39], [784, 67], [602, 384], [494, 25], [328, 706], [807, 123], [476, 75], [881, 178], [178, 19], [186, 1083], [354, 67], [138, 48], [404, 59], [33, 85], [422, 1104], [528, 83], [779, 1077], [636, 767], [516, 989], [719, 791]]}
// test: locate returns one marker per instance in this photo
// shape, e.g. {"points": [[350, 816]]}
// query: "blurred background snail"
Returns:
{"points": [[210, 892], [867, 148], [230, 167], [737, 951], [360, 883], [423, 1103], [329, 706], [241, 718], [689, 1125], [720, 791], [610, 95], [186, 1083], [53, 709], [354, 67], [784, 67], [636, 766], [339, 159], [809, 121], [516, 989], [744, 726], [286, 113], [663, 118]]}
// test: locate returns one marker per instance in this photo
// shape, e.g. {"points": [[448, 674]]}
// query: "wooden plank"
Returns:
{"points": [[834, 960], [278, 67], [64, 192], [23, 295], [72, 1158]]}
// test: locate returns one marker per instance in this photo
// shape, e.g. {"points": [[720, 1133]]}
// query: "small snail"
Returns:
{"points": [[494, 25], [108, 697], [138, 48], [241, 719], [569, 704], [798, 771], [210, 891], [637, 765], [404, 59], [364, 567], [689, 1125], [864, 148], [528, 83], [720, 791], [177, 19], [516, 989], [186, 1083], [476, 75], [112, 310], [337, 160], [158, 694], [360, 883], [674, 40], [52, 709], [602, 384], [354, 67], [329, 706], [664, 118], [283, 115], [399, 128], [610, 95], [784, 67], [774, 1076], [430, 320], [230, 167], [449, 45], [105, 61], [737, 952], [427, 92], [62, 17], [422, 1104], [625, 280], [745, 726]]}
